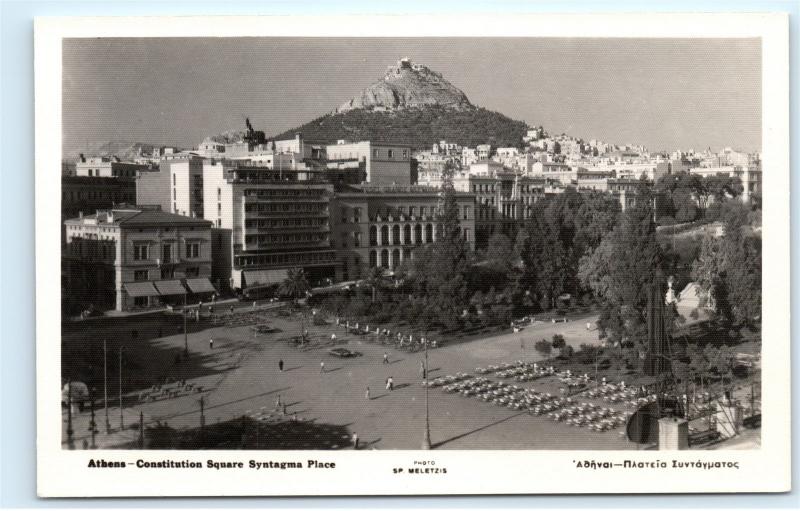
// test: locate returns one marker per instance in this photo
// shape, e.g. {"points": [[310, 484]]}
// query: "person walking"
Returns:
{"points": [[385, 358], [278, 403], [231, 310], [422, 369], [211, 344], [280, 365], [322, 367], [367, 396], [390, 383], [355, 441]]}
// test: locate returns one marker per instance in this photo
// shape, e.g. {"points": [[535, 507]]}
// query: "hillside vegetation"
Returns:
{"points": [[418, 127]]}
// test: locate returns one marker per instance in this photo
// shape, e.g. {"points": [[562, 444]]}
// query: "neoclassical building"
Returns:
{"points": [[380, 226]]}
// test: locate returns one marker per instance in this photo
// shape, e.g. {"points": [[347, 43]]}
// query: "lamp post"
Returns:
{"points": [[92, 423], [69, 415], [185, 331], [426, 440], [105, 385], [121, 419]]}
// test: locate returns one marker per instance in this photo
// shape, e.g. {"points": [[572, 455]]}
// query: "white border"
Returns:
{"points": [[64, 473]]}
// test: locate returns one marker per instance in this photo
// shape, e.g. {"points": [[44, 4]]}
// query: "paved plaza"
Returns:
{"points": [[241, 376]]}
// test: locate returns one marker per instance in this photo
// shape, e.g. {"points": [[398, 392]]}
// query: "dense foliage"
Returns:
{"points": [[418, 127]]}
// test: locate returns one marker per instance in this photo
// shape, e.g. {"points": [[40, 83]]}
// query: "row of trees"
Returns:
{"points": [[686, 197]]}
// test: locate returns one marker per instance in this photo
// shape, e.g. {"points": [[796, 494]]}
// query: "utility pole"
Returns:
{"points": [[121, 420], [69, 415], [426, 440], [141, 430], [105, 385], [93, 424], [185, 331]]}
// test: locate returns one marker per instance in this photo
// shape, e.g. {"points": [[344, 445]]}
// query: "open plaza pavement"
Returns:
{"points": [[240, 376]]}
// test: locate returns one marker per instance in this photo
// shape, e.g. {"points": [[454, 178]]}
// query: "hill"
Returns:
{"points": [[418, 127], [124, 149], [412, 105]]}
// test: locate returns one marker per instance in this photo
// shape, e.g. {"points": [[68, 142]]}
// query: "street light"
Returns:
{"points": [[426, 440], [121, 420], [105, 385], [185, 331]]}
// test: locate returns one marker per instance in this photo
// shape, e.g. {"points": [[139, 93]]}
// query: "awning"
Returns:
{"points": [[137, 289], [170, 287], [252, 277], [200, 286]]}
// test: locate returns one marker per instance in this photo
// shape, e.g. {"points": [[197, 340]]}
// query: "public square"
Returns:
{"points": [[240, 376]]}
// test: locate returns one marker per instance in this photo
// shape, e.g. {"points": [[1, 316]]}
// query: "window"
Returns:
{"points": [[466, 212], [405, 153], [374, 153], [192, 271], [391, 153], [356, 239], [356, 215], [167, 273], [192, 250], [174, 194], [422, 211], [219, 193], [412, 210], [141, 301], [173, 179], [140, 275], [166, 254], [141, 252]]}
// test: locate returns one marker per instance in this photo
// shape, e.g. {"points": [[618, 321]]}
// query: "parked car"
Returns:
{"points": [[343, 353]]}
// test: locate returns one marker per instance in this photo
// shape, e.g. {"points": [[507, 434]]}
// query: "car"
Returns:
{"points": [[343, 353]]}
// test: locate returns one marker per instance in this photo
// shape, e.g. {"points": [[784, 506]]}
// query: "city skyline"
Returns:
{"points": [[178, 91]]}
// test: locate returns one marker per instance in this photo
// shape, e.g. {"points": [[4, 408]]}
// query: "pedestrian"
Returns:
{"points": [[211, 344], [231, 310], [333, 338], [280, 365], [385, 358], [390, 383], [355, 441], [366, 395], [210, 310], [197, 315], [588, 326], [422, 369], [278, 403], [322, 367], [254, 305]]}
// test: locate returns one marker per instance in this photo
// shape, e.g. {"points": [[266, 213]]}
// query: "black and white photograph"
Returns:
{"points": [[428, 244]]}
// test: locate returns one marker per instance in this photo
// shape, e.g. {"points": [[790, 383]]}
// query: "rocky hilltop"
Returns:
{"points": [[408, 85]]}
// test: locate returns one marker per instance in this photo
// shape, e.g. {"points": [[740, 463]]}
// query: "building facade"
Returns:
{"points": [[375, 226], [106, 166], [129, 259], [267, 222], [384, 164]]}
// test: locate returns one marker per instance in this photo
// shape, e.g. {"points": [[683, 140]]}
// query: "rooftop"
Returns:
{"points": [[139, 217]]}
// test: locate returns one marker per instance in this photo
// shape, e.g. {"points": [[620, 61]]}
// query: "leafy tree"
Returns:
{"points": [[620, 271], [543, 347], [374, 279], [440, 269], [295, 285], [559, 342], [500, 253]]}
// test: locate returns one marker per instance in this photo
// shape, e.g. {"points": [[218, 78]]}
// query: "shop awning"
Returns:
{"points": [[137, 289], [170, 287], [200, 286], [253, 277]]}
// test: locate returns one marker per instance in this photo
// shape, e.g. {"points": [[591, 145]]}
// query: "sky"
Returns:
{"points": [[665, 94]]}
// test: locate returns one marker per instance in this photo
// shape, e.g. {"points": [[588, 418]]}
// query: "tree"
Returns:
{"points": [[559, 343], [374, 279], [295, 285], [500, 253], [543, 347], [621, 269], [440, 269]]}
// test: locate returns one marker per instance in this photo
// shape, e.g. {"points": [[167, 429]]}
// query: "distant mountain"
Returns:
{"points": [[123, 149], [416, 106]]}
